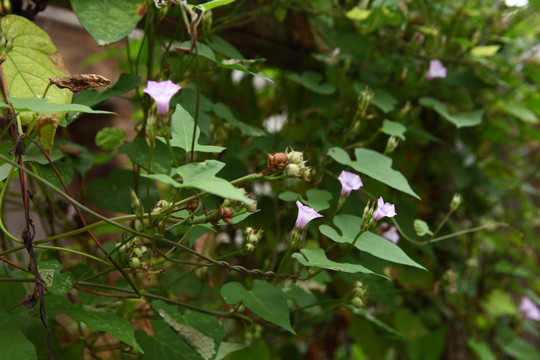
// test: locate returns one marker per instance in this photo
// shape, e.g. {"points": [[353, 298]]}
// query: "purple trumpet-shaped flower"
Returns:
{"points": [[384, 210], [529, 308], [436, 70], [305, 215], [349, 182], [390, 232], [161, 92]]}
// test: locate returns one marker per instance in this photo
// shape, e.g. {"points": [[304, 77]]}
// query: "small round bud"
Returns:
{"points": [[134, 262], [137, 252], [293, 170], [305, 173], [144, 249], [357, 302], [249, 247], [456, 201], [296, 157]]}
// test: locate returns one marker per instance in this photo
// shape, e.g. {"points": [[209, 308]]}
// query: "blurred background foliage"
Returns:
{"points": [[351, 74]]}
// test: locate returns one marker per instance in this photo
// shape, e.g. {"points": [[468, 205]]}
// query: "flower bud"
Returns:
{"points": [[456, 201], [137, 252], [391, 144], [296, 157], [249, 247], [136, 205], [357, 302], [279, 160], [305, 173], [292, 170]]}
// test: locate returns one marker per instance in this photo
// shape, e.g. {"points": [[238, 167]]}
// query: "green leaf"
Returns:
{"points": [[520, 111], [263, 300], [64, 168], [223, 47], [164, 344], [383, 100], [30, 62], [498, 303], [393, 128], [138, 152], [14, 345], [182, 133], [202, 49], [203, 333], [95, 319], [358, 14], [421, 228], [521, 350], [241, 65], [317, 258], [374, 165], [314, 82], [472, 118], [225, 348], [56, 281], [202, 176], [223, 112], [213, 4], [289, 196], [369, 242], [108, 21], [110, 138], [318, 199], [481, 349], [43, 106]]}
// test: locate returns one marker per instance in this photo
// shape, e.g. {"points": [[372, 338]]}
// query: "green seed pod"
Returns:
{"points": [[134, 262]]}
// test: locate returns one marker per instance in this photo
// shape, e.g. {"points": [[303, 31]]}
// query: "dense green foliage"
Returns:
{"points": [[189, 248]]}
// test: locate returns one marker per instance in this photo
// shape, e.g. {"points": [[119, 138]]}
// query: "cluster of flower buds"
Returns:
{"points": [[291, 162], [359, 295], [252, 236], [373, 214], [161, 207], [136, 252]]}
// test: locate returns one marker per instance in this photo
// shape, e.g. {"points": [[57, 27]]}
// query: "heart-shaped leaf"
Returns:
{"points": [[108, 21], [182, 133], [374, 165], [349, 226], [472, 118], [263, 300]]}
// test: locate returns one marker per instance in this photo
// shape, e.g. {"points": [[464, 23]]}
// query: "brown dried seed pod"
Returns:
{"points": [[80, 82]]}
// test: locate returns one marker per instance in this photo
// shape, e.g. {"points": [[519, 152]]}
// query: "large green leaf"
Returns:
{"points": [[43, 106], [14, 345], [393, 128], [264, 300], [383, 100], [374, 165], [31, 59], [182, 133], [317, 258], [203, 333], [349, 226], [472, 118], [108, 21], [165, 344], [95, 319], [202, 176]]}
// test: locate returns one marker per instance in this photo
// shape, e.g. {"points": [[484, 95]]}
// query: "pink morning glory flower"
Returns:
{"points": [[390, 232], [436, 70], [384, 210], [305, 215], [349, 182], [529, 308], [161, 92]]}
